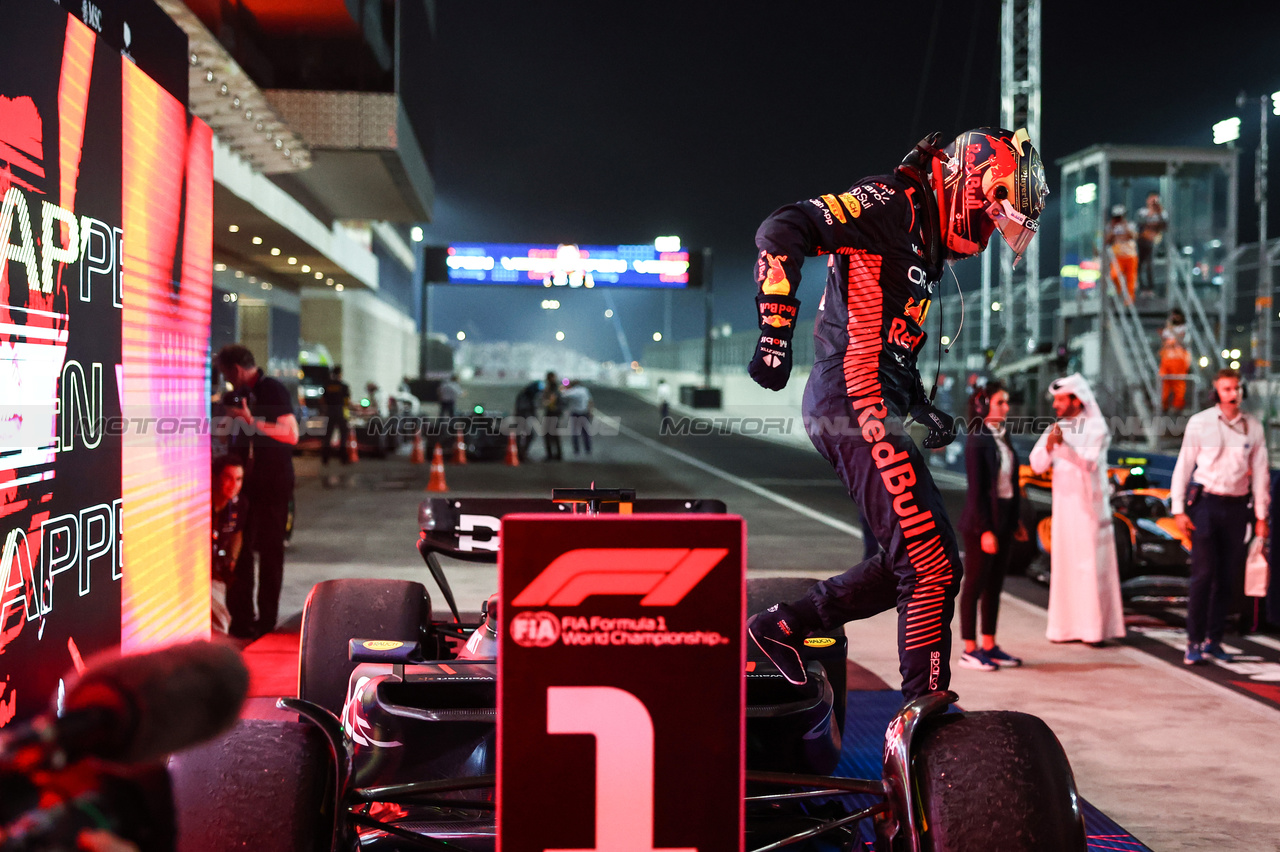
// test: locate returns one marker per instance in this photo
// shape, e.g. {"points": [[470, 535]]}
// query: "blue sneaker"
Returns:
{"points": [[1193, 657], [1000, 658], [978, 660], [1213, 649]]}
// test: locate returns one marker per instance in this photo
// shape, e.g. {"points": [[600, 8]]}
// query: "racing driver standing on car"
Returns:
{"points": [[888, 239]]}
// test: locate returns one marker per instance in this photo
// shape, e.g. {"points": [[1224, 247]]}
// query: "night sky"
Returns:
{"points": [[619, 122]]}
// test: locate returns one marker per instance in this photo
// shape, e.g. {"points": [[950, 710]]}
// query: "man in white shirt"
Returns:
{"points": [[577, 401], [1226, 451]]}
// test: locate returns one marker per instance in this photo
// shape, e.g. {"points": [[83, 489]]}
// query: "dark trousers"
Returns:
{"points": [[265, 525], [918, 571], [870, 547], [1146, 272], [336, 423], [984, 575], [1218, 551], [551, 437], [524, 432], [581, 428]]}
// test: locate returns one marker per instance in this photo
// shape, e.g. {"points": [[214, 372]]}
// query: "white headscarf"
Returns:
{"points": [[1076, 384]]}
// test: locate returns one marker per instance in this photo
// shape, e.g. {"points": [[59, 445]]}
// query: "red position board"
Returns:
{"points": [[621, 696]]}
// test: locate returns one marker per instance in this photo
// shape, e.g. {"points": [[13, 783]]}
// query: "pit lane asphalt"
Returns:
{"points": [[1178, 761]]}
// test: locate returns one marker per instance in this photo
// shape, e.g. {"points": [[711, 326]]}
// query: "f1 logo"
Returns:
{"points": [[664, 575]]}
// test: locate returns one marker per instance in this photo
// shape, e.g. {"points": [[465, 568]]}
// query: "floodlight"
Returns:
{"points": [[1227, 130]]}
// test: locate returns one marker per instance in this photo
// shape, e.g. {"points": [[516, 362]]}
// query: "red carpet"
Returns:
{"points": [[273, 664]]}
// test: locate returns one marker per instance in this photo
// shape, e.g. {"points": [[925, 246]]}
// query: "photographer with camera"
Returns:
{"points": [[265, 408]]}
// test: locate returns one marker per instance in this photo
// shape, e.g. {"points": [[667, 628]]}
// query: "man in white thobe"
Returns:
{"points": [[1084, 585]]}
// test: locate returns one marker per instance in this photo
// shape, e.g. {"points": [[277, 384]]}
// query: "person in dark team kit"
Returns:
{"points": [[264, 406], [526, 411], [227, 534], [336, 399], [888, 238]]}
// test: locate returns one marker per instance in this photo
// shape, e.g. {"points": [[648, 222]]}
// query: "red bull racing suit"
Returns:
{"points": [[864, 383]]}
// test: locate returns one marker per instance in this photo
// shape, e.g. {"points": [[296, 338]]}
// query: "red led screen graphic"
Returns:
{"points": [[73, 115], [168, 286]]}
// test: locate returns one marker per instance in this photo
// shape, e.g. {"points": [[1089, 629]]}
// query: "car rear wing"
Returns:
{"points": [[467, 527]]}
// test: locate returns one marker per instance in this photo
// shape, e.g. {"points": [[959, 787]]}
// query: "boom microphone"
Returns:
{"points": [[137, 708]]}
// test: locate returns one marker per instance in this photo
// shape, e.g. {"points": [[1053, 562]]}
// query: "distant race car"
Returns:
{"points": [[411, 732], [1153, 555]]}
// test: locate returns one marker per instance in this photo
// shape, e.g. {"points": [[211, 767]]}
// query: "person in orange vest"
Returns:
{"points": [[1175, 360], [1123, 242]]}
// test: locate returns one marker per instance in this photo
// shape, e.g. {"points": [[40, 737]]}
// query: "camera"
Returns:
{"points": [[234, 399]]}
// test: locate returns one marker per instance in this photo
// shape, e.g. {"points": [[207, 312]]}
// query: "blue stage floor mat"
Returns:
{"points": [[862, 754]]}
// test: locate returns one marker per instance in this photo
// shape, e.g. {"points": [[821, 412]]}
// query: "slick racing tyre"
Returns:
{"points": [[765, 592], [338, 611], [995, 780], [1124, 549], [265, 784]]}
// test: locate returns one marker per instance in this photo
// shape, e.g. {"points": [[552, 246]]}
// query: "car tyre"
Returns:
{"points": [[994, 780], [1124, 549], [266, 784], [338, 611]]}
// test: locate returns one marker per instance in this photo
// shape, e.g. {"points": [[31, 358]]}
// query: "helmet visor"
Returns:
{"points": [[1016, 229]]}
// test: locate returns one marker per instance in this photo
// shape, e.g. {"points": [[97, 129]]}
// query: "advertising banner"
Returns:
{"points": [[621, 703]]}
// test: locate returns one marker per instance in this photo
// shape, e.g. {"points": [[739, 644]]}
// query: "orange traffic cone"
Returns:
{"points": [[513, 451], [436, 483], [417, 455], [460, 449], [353, 447]]}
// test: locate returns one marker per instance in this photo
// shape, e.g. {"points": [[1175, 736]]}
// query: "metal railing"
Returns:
{"points": [[1201, 333]]}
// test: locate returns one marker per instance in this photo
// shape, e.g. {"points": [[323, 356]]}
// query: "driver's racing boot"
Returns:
{"points": [[777, 632]]}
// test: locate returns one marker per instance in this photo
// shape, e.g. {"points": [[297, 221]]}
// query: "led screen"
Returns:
{"points": [[568, 265], [168, 293], [105, 202]]}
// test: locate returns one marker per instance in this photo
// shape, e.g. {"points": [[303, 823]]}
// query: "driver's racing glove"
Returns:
{"points": [[941, 425], [770, 367]]}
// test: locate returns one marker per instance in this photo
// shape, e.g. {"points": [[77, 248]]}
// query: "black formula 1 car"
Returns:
{"points": [[405, 704]]}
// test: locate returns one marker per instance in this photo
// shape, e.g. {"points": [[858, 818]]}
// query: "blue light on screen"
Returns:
{"points": [[567, 265]]}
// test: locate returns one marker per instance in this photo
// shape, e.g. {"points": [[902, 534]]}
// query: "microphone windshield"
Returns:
{"points": [[143, 707]]}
